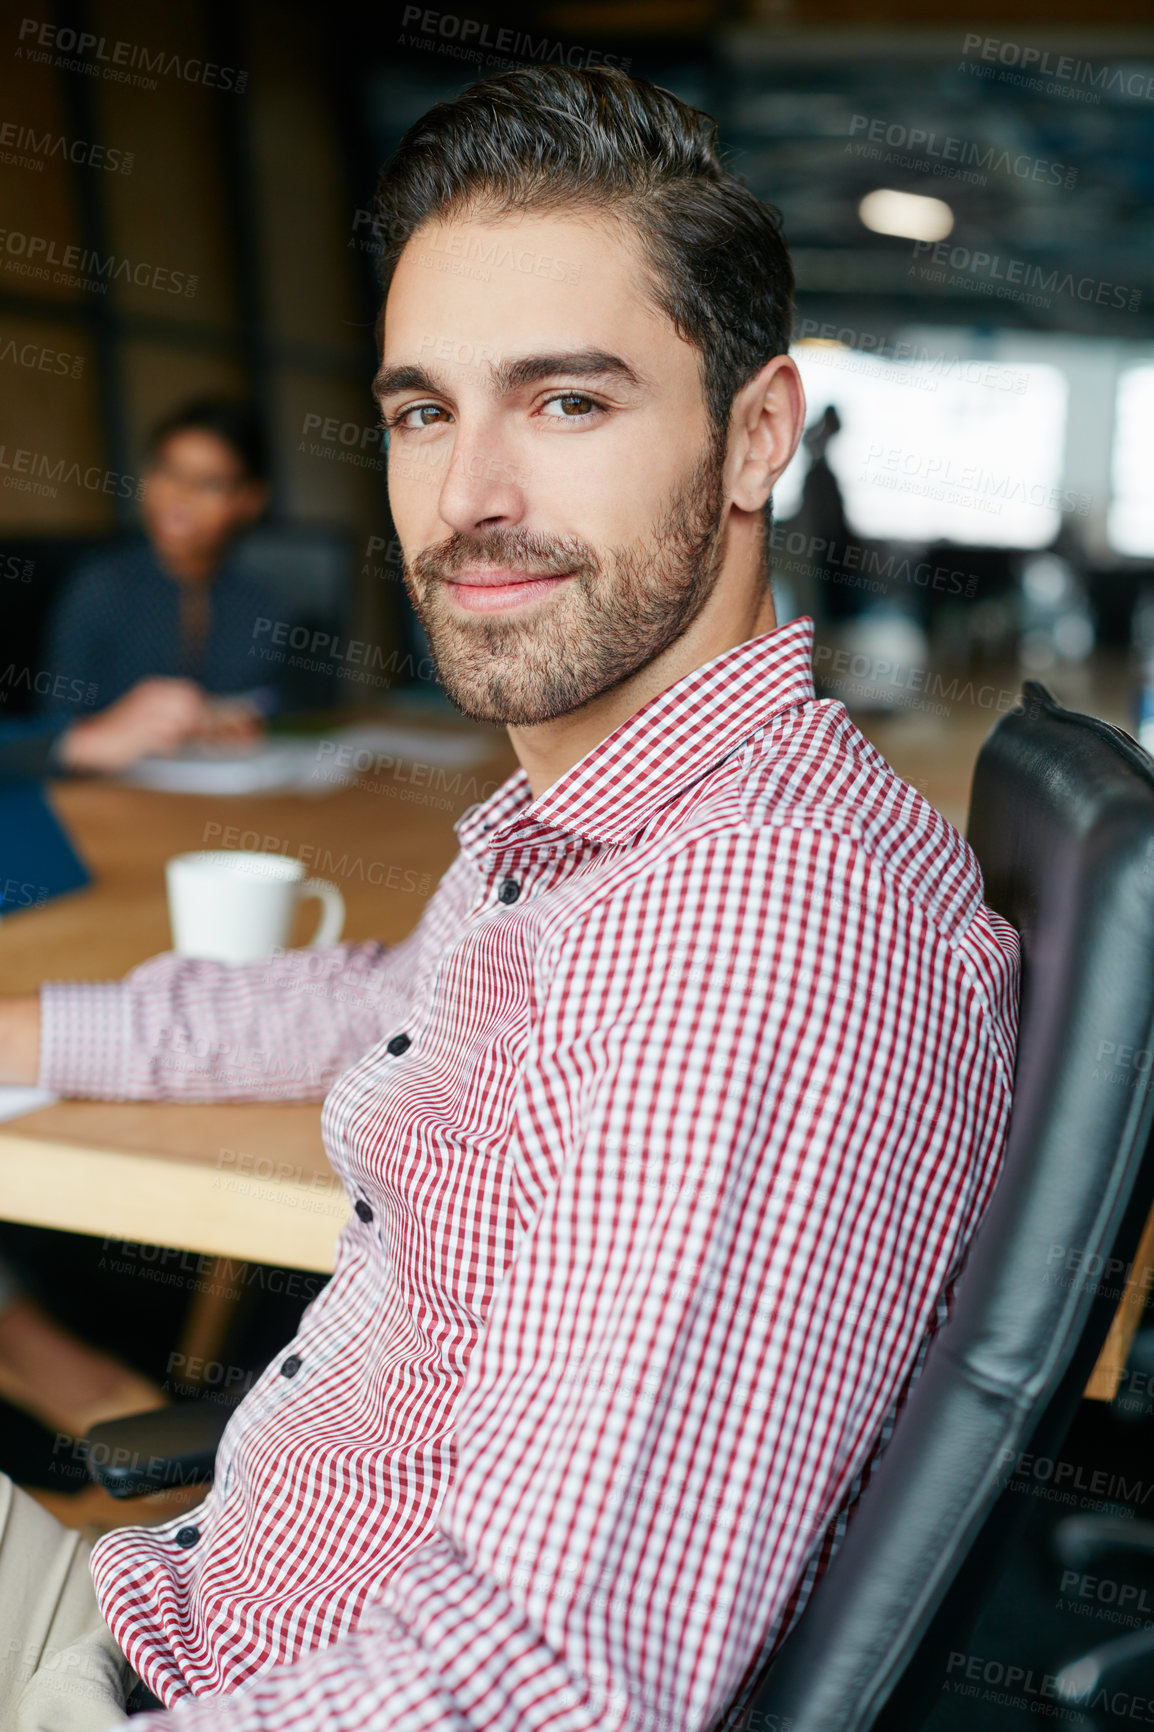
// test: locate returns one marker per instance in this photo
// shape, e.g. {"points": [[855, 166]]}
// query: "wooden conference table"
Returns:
{"points": [[252, 1181]]}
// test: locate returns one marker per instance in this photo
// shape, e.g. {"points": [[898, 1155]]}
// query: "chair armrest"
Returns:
{"points": [[152, 1451]]}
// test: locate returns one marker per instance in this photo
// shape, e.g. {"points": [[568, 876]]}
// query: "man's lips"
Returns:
{"points": [[496, 579], [488, 591]]}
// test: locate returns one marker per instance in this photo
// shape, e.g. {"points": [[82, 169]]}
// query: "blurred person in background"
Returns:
{"points": [[167, 618], [59, 1379], [161, 626], [155, 716]]}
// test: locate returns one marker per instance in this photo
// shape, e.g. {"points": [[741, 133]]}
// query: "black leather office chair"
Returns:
{"points": [[1062, 821], [1084, 1543], [1094, 1542]]}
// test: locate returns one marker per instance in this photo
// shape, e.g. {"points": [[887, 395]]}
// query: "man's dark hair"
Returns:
{"points": [[238, 425], [550, 139]]}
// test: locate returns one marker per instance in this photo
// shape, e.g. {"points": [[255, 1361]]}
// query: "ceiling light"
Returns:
{"points": [[908, 214]]}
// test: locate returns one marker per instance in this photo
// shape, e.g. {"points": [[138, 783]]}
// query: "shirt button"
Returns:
{"points": [[400, 1043], [291, 1366], [187, 1536], [510, 890], [363, 1210]]}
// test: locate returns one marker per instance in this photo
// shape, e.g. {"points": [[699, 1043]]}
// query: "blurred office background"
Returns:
{"points": [[967, 195], [967, 203]]}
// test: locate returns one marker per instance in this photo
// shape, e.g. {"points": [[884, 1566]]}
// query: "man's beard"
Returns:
{"points": [[617, 614]]}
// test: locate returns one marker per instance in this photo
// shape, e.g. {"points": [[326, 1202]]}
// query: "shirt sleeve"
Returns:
{"points": [[760, 1116], [178, 1029]]}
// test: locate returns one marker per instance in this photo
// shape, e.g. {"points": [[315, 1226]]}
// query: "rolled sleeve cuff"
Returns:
{"points": [[85, 1033]]}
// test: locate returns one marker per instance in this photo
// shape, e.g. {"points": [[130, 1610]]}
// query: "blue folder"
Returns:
{"points": [[37, 859]]}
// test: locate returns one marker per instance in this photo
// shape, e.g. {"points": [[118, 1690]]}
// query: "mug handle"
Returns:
{"points": [[332, 914]]}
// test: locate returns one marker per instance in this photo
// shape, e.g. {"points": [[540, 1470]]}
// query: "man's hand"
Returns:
{"points": [[155, 716], [20, 1039]]}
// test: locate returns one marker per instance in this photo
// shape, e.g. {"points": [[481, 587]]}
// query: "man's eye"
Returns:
{"points": [[575, 406], [422, 409]]}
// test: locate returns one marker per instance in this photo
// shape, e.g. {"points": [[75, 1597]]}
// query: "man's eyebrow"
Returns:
{"points": [[509, 376]]}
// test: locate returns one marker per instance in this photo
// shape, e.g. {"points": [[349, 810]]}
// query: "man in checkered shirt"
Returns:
{"points": [[666, 1131]]}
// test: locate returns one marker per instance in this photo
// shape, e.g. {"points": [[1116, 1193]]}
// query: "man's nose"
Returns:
{"points": [[482, 485]]}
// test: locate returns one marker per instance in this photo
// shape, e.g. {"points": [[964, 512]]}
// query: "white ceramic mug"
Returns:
{"points": [[227, 905]]}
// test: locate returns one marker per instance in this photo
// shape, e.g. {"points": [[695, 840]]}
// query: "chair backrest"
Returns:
{"points": [[1062, 822]]}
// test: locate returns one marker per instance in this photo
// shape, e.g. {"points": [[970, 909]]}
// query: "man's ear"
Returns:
{"points": [[766, 425]]}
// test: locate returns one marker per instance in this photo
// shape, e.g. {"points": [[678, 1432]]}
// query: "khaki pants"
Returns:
{"points": [[60, 1670]]}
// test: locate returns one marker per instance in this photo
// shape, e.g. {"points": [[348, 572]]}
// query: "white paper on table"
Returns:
{"points": [[304, 763], [450, 751], [15, 1101], [268, 768]]}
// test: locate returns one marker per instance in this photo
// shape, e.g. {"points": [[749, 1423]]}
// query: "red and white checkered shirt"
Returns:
{"points": [[665, 1131]]}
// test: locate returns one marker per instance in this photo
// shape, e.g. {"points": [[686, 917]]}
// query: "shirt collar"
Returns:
{"points": [[656, 753]]}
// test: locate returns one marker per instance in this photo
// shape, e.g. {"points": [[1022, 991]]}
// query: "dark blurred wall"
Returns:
{"points": [[184, 208], [175, 190]]}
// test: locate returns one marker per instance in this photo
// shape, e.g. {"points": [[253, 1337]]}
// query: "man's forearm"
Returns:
{"points": [[20, 1039], [179, 1028]]}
